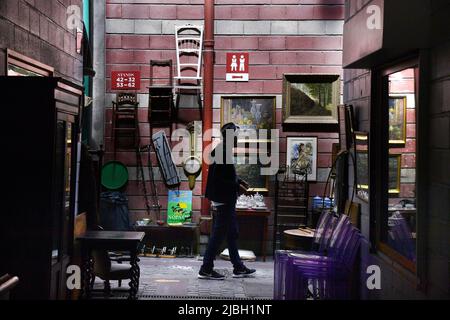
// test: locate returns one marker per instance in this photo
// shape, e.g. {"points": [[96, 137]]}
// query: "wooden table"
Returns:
{"points": [[298, 239], [109, 241], [259, 215], [171, 236]]}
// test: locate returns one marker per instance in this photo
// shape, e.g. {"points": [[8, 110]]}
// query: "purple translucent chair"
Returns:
{"points": [[317, 260], [329, 280], [328, 235], [328, 275], [320, 241]]}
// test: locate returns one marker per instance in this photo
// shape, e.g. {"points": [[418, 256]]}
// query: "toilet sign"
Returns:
{"points": [[125, 80], [237, 66]]}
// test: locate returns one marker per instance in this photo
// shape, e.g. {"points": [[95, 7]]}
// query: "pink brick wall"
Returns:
{"points": [[271, 55], [38, 29]]}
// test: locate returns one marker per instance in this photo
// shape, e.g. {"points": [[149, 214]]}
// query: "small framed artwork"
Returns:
{"points": [[397, 120], [301, 156], [249, 113], [310, 98], [249, 169], [395, 164], [362, 165]]}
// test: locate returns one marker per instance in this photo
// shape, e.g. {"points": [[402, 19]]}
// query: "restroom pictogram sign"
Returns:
{"points": [[237, 66]]}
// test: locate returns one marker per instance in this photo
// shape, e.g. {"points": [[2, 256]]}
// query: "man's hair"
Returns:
{"points": [[228, 126]]}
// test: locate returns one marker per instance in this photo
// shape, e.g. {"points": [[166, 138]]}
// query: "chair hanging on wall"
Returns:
{"points": [[160, 101], [188, 80], [125, 125]]}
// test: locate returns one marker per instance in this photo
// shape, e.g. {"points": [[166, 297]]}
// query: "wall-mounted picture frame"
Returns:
{"points": [[310, 98], [395, 165], [346, 120], [301, 154], [397, 120], [248, 168], [249, 113], [342, 116], [362, 165], [351, 126]]}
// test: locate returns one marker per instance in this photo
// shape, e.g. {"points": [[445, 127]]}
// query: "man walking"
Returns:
{"points": [[222, 189]]}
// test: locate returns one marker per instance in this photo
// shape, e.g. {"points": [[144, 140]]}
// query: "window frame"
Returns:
{"points": [[17, 59], [379, 143]]}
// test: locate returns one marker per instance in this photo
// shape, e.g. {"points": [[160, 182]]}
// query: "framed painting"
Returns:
{"points": [[395, 164], [249, 113], [248, 168], [397, 120], [342, 116], [301, 155], [310, 98], [362, 165]]}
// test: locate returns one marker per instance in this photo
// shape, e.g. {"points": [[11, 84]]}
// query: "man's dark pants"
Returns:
{"points": [[224, 226]]}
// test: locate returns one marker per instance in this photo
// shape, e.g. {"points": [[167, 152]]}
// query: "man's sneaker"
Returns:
{"points": [[213, 275], [243, 272]]}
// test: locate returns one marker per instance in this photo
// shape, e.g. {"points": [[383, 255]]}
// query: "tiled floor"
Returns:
{"points": [[177, 279]]}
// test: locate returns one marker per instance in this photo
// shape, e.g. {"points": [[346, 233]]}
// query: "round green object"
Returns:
{"points": [[114, 175]]}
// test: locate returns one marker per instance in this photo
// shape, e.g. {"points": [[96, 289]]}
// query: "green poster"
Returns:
{"points": [[179, 207]]}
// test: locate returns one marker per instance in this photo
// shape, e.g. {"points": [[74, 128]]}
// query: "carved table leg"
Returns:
{"points": [[135, 274], [86, 274]]}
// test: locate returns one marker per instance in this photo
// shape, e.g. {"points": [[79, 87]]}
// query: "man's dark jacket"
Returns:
{"points": [[223, 183]]}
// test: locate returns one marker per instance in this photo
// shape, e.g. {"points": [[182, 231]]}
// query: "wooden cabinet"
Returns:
{"points": [[39, 134]]}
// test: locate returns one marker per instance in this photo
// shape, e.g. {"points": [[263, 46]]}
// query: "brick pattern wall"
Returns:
{"points": [[402, 84], [38, 29], [439, 173], [282, 36]]}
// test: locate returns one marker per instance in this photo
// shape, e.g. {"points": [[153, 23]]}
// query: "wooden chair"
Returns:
{"points": [[105, 269], [110, 266], [125, 122]]}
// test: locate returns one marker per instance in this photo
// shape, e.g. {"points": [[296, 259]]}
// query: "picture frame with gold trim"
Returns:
{"points": [[397, 120], [395, 165], [249, 113]]}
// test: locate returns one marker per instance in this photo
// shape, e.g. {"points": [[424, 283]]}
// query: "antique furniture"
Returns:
{"points": [[160, 99], [291, 203], [125, 122], [39, 134], [257, 221], [183, 236], [107, 270], [324, 274], [101, 241], [189, 47]]}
